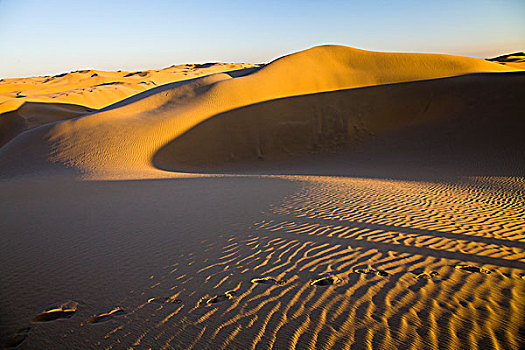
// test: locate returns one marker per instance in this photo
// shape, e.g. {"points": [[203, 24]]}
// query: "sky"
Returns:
{"points": [[47, 37]]}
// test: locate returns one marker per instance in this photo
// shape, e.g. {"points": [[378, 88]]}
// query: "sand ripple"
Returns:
{"points": [[357, 263]]}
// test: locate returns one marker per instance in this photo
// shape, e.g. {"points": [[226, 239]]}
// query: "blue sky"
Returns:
{"points": [[39, 37]]}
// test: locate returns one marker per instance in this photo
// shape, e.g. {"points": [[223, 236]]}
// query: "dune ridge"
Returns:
{"points": [[96, 89], [122, 141], [88, 90], [516, 60]]}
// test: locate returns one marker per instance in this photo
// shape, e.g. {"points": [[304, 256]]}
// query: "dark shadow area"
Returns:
{"points": [[112, 83], [465, 125], [243, 72], [34, 114], [204, 65], [139, 73], [511, 57]]}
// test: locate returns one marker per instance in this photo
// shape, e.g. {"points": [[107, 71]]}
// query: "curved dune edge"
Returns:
{"points": [[121, 142], [434, 120]]}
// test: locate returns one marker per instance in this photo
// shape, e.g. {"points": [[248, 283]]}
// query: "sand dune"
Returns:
{"points": [[96, 89], [516, 60], [442, 122], [33, 114], [87, 89], [332, 199], [100, 146]]}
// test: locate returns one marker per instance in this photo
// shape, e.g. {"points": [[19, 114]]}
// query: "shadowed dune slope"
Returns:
{"points": [[33, 114], [474, 121], [121, 142]]}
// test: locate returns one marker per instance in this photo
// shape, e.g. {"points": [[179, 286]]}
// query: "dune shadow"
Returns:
{"points": [[468, 125], [34, 114]]}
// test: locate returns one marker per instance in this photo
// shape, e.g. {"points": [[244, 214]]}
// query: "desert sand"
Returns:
{"points": [[334, 198]]}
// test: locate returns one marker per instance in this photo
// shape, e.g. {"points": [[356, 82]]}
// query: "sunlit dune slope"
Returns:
{"points": [[96, 89], [123, 141], [30, 100]]}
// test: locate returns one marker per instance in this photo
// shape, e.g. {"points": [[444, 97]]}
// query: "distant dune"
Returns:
{"points": [[516, 60], [302, 103], [86, 90]]}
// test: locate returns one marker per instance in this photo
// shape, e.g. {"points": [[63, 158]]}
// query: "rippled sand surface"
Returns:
{"points": [[332, 262]]}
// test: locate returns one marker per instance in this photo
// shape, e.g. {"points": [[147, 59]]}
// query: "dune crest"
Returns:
{"points": [[121, 141]]}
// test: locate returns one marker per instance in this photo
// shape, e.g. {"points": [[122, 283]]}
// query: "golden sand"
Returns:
{"points": [[334, 198]]}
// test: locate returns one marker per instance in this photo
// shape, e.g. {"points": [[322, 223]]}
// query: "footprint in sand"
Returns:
{"points": [[471, 268], [107, 316], [267, 280], [372, 272], [165, 300], [64, 310], [16, 338], [222, 297], [326, 281], [427, 275]]}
